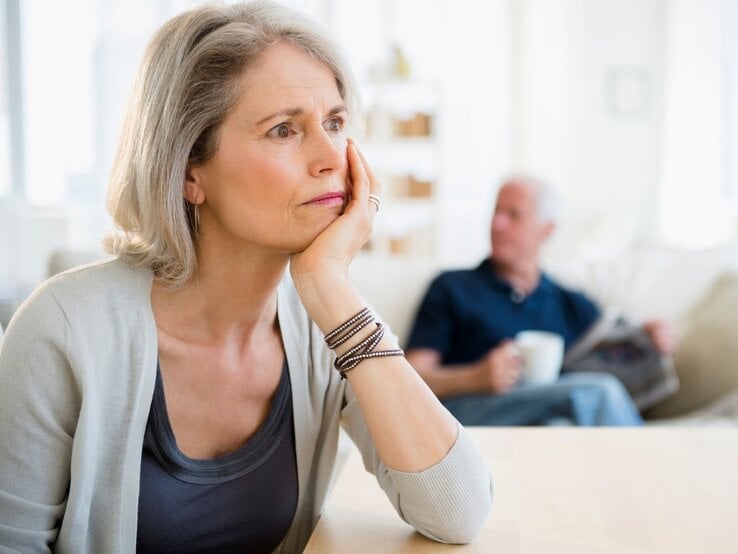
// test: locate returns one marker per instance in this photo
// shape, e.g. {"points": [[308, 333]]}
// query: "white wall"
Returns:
{"points": [[574, 60], [525, 85], [465, 48], [700, 181], [476, 128]]}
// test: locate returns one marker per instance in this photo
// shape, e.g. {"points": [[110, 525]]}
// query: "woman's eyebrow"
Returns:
{"points": [[338, 109], [291, 112]]}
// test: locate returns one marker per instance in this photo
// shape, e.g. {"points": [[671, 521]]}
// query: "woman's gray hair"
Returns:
{"points": [[185, 87]]}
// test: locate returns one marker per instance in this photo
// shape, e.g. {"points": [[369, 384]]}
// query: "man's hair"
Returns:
{"points": [[548, 202], [185, 87]]}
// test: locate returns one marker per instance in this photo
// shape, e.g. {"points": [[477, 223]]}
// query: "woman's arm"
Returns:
{"points": [[409, 426], [430, 469], [38, 399]]}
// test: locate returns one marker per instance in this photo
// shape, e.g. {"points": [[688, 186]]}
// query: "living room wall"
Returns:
{"points": [[584, 93], [588, 103], [629, 108]]}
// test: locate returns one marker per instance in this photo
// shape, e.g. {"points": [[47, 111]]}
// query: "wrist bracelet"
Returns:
{"points": [[349, 332], [364, 349], [352, 362], [345, 325]]}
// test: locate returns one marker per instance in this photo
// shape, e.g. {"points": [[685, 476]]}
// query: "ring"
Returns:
{"points": [[375, 199]]}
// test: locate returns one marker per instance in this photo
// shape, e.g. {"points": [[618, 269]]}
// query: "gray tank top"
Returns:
{"points": [[243, 501]]}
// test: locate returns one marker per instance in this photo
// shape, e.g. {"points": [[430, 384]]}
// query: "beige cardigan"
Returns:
{"points": [[77, 370]]}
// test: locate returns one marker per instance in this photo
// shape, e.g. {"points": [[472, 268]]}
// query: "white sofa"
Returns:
{"points": [[696, 290]]}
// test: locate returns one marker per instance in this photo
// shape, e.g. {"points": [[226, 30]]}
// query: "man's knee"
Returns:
{"points": [[607, 399], [605, 383]]}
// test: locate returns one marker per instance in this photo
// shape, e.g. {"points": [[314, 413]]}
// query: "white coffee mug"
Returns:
{"points": [[542, 354]]}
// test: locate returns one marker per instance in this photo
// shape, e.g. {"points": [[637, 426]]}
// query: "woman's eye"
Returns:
{"points": [[281, 131], [334, 125]]}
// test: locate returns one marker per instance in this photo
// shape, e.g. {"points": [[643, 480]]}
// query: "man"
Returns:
{"points": [[461, 342]]}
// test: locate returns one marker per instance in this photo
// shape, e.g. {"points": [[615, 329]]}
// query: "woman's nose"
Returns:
{"points": [[327, 153]]}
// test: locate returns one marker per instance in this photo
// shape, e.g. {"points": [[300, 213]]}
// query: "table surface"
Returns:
{"points": [[567, 490]]}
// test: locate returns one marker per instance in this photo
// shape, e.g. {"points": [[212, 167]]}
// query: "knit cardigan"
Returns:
{"points": [[77, 372]]}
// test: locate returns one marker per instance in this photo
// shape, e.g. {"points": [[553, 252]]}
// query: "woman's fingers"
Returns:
{"points": [[374, 185], [364, 183]]}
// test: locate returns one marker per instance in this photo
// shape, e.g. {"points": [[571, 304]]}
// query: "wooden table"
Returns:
{"points": [[568, 490]]}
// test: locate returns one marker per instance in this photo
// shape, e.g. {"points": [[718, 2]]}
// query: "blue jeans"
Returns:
{"points": [[582, 398]]}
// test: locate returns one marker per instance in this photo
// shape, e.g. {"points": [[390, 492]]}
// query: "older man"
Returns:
{"points": [[461, 340]]}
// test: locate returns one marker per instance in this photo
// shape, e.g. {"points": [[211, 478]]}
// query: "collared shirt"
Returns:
{"points": [[465, 313]]}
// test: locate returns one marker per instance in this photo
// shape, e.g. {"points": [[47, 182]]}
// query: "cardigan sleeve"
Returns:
{"points": [[38, 405], [448, 502]]}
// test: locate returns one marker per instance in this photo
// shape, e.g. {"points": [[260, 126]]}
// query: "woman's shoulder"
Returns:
{"points": [[109, 276], [106, 284]]}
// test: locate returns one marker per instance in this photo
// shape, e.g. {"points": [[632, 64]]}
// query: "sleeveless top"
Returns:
{"points": [[242, 501]]}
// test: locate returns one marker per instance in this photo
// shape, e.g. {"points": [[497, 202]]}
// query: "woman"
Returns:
{"points": [[181, 396]]}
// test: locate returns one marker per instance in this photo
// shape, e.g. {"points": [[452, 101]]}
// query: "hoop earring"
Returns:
{"points": [[197, 220]]}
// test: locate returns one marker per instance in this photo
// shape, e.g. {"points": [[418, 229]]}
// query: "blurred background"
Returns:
{"points": [[628, 107]]}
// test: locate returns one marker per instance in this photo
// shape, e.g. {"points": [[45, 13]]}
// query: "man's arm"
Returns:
{"points": [[496, 372]]}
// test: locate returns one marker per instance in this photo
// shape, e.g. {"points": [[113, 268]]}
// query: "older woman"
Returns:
{"points": [[181, 396]]}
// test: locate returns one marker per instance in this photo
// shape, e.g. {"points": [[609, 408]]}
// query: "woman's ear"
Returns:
{"points": [[193, 193]]}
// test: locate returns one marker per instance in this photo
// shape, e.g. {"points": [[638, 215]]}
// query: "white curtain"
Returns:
{"points": [[699, 192]]}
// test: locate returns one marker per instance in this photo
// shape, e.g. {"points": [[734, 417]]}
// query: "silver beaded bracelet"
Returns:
{"points": [[362, 351]]}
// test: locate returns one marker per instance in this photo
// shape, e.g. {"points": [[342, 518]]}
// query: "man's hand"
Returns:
{"points": [[662, 335], [499, 370]]}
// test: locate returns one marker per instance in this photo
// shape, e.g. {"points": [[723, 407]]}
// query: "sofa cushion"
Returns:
{"points": [[393, 286], [651, 281], [707, 357]]}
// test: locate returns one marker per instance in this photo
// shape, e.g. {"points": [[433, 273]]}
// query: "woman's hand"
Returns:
{"points": [[336, 246], [409, 426], [320, 272]]}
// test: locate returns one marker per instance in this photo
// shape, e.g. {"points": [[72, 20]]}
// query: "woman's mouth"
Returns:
{"points": [[328, 199]]}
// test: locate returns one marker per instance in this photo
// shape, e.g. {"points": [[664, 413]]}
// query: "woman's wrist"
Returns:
{"points": [[330, 298]]}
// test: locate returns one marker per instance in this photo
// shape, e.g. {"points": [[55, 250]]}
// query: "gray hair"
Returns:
{"points": [[185, 87], [548, 201]]}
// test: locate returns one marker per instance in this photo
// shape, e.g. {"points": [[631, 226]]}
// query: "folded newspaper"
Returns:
{"points": [[615, 345]]}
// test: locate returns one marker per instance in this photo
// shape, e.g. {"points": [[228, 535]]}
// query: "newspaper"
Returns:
{"points": [[615, 345]]}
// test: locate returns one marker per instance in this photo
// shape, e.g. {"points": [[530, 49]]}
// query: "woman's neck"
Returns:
{"points": [[227, 297]]}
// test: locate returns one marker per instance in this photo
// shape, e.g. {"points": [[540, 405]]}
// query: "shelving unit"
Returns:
{"points": [[402, 145]]}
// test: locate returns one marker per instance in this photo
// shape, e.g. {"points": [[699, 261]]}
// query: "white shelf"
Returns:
{"points": [[417, 157], [401, 112], [399, 218]]}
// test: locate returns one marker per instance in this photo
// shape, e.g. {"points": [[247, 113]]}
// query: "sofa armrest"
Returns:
{"points": [[707, 358]]}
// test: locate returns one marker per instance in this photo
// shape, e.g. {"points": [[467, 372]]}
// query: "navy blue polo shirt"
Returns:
{"points": [[465, 313]]}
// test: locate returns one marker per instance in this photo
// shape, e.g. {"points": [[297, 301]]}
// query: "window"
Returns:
{"points": [[5, 157], [78, 59], [700, 191]]}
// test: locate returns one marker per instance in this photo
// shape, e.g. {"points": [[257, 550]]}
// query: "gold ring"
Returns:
{"points": [[374, 199]]}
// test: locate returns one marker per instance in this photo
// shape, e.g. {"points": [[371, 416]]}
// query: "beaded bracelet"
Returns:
{"points": [[359, 323], [345, 325], [363, 350], [367, 345]]}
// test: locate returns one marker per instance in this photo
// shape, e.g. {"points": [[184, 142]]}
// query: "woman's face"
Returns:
{"points": [[279, 174]]}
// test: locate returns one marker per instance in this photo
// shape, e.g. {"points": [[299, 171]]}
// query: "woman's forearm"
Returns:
{"points": [[409, 426]]}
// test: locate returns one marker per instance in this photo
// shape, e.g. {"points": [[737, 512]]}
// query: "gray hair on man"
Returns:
{"points": [[548, 201]]}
